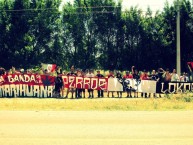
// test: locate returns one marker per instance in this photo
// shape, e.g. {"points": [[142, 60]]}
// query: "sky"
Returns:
{"points": [[142, 4]]}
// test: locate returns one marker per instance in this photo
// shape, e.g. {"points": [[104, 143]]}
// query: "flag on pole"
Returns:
{"points": [[49, 67], [190, 64]]}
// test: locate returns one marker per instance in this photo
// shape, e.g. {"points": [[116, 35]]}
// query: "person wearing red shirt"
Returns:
{"points": [[128, 75], [120, 79], [111, 74], [144, 76]]}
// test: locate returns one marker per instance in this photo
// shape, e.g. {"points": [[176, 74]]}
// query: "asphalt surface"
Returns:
{"points": [[96, 128]]}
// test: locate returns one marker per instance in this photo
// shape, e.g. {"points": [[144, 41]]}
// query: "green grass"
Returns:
{"points": [[168, 102]]}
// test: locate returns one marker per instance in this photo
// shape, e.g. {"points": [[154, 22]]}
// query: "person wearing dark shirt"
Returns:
{"points": [[120, 79], [153, 77], [2, 71], [83, 89], [137, 78], [79, 90], [71, 89], [58, 85], [160, 80], [100, 92]]}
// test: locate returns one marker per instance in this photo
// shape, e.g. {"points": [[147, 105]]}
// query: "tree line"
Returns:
{"points": [[95, 34]]}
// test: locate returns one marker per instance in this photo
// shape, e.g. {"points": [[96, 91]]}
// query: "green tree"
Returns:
{"points": [[169, 21], [5, 26]]}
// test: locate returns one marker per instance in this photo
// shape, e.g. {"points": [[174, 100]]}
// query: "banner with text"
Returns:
{"points": [[26, 85], [85, 83], [34, 85]]}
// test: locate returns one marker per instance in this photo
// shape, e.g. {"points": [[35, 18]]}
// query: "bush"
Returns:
{"points": [[188, 99]]}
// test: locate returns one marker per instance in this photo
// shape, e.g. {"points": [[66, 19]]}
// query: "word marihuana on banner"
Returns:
{"points": [[27, 85]]}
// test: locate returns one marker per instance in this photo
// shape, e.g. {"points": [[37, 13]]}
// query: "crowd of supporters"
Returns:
{"points": [[160, 76]]}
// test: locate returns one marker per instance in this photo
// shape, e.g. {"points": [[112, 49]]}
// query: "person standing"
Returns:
{"points": [[79, 90], [2, 71], [160, 80], [59, 73], [58, 85], [174, 76], [184, 77], [83, 89], [127, 83], [100, 92], [167, 80], [144, 76], [90, 74], [110, 75], [153, 77], [137, 79], [120, 79], [127, 75], [71, 89]]}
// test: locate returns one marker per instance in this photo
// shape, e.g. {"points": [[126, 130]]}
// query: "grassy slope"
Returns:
{"points": [[170, 102]]}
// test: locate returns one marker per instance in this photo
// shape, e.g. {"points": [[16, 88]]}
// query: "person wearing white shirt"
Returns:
{"points": [[175, 77]]}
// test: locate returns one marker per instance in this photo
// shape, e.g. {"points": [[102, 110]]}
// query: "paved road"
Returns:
{"points": [[96, 128]]}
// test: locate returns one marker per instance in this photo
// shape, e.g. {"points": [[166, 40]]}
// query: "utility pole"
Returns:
{"points": [[178, 58]]}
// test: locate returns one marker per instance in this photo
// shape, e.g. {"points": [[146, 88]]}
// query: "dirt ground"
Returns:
{"points": [[96, 128]]}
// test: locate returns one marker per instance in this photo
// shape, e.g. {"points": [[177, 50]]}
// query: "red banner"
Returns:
{"points": [[43, 85], [45, 80], [29, 79], [190, 64], [86, 83], [30, 85]]}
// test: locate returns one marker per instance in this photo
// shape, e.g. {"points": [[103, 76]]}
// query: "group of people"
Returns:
{"points": [[159, 76]]}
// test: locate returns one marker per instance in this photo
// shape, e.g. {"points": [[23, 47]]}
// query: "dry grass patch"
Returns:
{"points": [[170, 102]]}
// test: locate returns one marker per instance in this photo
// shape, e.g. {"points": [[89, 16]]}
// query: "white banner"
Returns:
{"points": [[148, 86], [114, 85]]}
